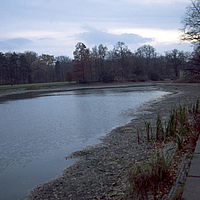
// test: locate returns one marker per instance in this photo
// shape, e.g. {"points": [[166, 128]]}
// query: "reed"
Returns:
{"points": [[138, 135], [147, 178], [148, 129], [159, 128]]}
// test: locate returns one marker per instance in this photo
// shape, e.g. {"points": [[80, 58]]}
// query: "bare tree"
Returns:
{"points": [[191, 31], [147, 53], [175, 60], [98, 59], [191, 23], [122, 53]]}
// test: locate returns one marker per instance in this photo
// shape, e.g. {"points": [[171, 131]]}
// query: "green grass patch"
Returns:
{"points": [[7, 87]]}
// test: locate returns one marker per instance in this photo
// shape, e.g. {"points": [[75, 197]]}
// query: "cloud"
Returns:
{"points": [[51, 26], [46, 39], [162, 48], [95, 37], [156, 1], [14, 44]]}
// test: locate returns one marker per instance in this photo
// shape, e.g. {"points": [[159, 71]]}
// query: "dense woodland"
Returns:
{"points": [[96, 64]]}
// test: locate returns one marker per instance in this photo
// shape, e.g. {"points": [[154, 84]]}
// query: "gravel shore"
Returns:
{"points": [[102, 170]]}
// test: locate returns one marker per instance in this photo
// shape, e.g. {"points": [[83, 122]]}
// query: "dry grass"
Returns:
{"points": [[152, 178], [189, 78]]}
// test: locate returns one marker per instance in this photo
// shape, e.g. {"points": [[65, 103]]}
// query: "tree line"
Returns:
{"points": [[28, 67], [96, 64], [100, 64]]}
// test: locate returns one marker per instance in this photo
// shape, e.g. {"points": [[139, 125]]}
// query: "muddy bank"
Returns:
{"points": [[72, 87], [102, 171]]}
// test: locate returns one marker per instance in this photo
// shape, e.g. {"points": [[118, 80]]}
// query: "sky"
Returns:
{"points": [[54, 27]]}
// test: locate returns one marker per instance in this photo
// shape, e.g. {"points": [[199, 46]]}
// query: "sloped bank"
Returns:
{"points": [[102, 171]]}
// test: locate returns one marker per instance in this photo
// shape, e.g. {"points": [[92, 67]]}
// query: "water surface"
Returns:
{"points": [[39, 130]]}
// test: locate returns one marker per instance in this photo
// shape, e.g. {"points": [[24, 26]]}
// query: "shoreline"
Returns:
{"points": [[167, 86], [101, 170], [72, 87]]}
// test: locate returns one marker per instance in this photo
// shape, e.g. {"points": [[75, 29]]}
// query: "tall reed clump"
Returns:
{"points": [[159, 128], [184, 123], [195, 127], [148, 129], [148, 178], [177, 126]]}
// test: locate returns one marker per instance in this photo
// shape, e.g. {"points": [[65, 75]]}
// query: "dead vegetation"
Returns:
{"points": [[153, 179]]}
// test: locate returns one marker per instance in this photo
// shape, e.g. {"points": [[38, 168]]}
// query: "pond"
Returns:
{"points": [[39, 129]]}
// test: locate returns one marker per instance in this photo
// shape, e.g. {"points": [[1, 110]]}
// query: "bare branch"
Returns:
{"points": [[191, 23]]}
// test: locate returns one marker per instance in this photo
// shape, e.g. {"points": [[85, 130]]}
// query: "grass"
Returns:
{"points": [[7, 87]]}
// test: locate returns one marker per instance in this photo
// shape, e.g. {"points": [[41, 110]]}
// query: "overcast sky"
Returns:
{"points": [[55, 26]]}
